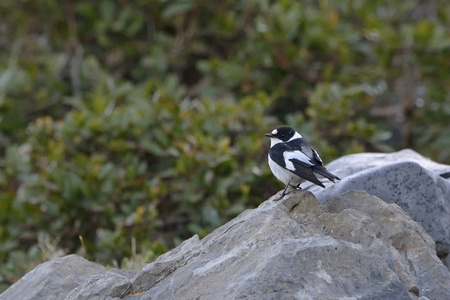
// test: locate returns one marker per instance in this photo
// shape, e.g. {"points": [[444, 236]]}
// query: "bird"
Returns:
{"points": [[292, 160]]}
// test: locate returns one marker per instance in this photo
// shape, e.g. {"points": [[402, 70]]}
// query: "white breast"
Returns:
{"points": [[282, 174]]}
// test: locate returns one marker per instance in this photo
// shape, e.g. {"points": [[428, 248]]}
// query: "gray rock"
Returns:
{"points": [[108, 285], [405, 178], [354, 247], [53, 280], [354, 163], [152, 273]]}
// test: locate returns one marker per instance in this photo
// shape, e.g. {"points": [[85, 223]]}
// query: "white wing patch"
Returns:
{"points": [[298, 155], [317, 154]]}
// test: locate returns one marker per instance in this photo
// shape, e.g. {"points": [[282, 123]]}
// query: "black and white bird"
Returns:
{"points": [[292, 160]]}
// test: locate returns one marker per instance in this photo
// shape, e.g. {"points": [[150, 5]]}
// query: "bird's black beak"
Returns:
{"points": [[269, 135]]}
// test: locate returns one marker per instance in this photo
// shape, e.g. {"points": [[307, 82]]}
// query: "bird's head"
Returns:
{"points": [[283, 134]]}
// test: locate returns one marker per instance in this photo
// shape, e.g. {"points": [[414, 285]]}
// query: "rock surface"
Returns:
{"points": [[415, 183], [354, 247], [54, 279]]}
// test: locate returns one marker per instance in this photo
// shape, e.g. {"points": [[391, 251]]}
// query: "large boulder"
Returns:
{"points": [[53, 280], [418, 185], [356, 247]]}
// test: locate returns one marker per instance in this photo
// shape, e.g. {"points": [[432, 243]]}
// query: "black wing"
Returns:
{"points": [[306, 172], [276, 154], [303, 169], [307, 149], [314, 158]]}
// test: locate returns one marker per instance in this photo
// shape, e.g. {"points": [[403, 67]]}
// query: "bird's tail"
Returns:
{"points": [[322, 171]]}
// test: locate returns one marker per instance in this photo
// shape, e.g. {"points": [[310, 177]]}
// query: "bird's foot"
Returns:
{"points": [[285, 192], [281, 196], [297, 187]]}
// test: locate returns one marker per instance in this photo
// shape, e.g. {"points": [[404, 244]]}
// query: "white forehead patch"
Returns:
{"points": [[274, 132]]}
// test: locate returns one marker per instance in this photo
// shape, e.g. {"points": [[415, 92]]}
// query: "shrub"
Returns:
{"points": [[140, 122], [139, 163]]}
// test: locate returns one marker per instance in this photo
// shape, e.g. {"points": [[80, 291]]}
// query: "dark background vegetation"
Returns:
{"points": [[128, 126]]}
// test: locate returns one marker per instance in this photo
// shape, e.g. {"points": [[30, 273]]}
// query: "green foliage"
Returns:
{"points": [[128, 126], [133, 162]]}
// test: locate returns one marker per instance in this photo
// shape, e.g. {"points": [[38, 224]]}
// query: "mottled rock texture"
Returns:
{"points": [[418, 185], [356, 246]]}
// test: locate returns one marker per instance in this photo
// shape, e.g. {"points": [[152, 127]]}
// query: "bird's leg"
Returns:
{"points": [[284, 192]]}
